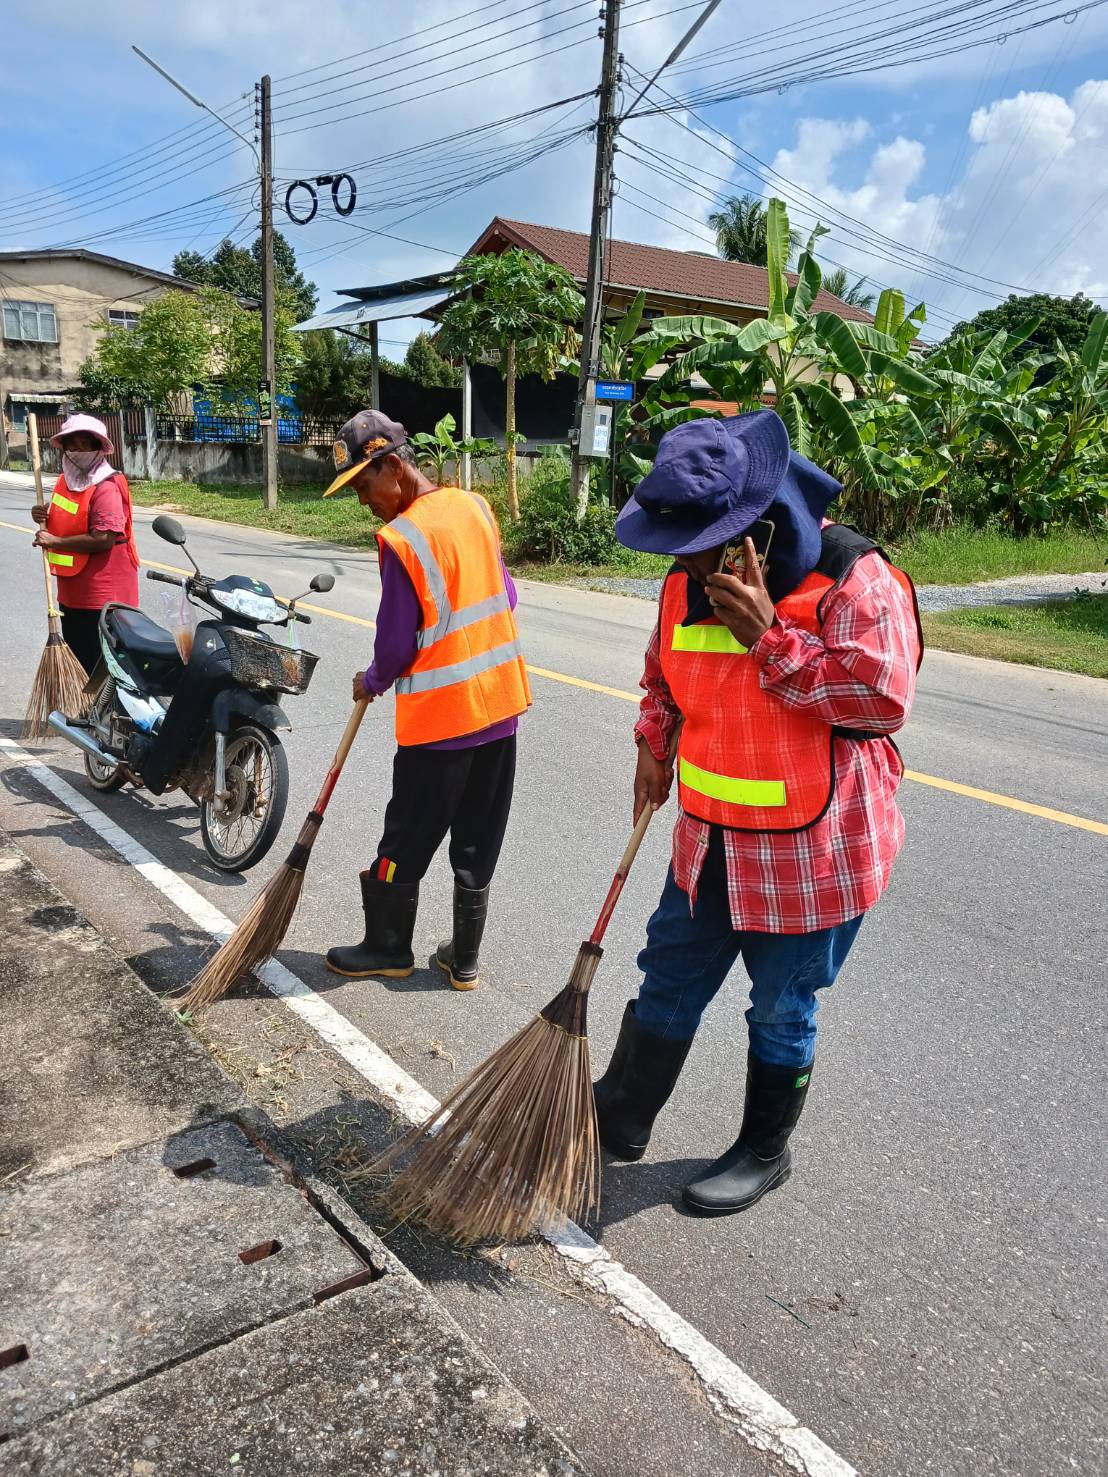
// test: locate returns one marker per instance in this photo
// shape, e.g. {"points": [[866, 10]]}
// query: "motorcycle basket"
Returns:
{"points": [[256, 662]]}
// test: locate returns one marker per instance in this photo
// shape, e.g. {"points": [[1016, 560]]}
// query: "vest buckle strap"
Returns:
{"points": [[763, 793]]}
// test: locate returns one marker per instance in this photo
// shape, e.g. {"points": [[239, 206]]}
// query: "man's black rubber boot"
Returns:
{"points": [[636, 1087], [760, 1159], [390, 915], [457, 956]]}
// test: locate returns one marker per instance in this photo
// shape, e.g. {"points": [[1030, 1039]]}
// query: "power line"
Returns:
{"points": [[887, 57], [479, 77], [174, 141], [372, 50], [820, 205], [323, 84], [57, 218]]}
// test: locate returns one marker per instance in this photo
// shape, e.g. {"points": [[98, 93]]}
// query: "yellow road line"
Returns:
{"points": [[1063, 817], [987, 797]]}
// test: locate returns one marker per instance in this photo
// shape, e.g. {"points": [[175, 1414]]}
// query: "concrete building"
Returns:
{"points": [[50, 304]]}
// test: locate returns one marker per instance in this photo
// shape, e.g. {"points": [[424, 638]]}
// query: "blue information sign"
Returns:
{"points": [[615, 390]]}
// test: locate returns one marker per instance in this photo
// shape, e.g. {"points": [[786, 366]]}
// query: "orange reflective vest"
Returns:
{"points": [[468, 673], [68, 517], [746, 760]]}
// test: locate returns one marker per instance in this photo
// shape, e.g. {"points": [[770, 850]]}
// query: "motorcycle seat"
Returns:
{"points": [[140, 636]]}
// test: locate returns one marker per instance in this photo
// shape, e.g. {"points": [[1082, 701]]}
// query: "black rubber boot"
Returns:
{"points": [[760, 1159], [390, 915], [457, 956], [636, 1087]]}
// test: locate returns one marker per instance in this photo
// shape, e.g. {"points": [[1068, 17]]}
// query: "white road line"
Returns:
{"points": [[763, 1422]]}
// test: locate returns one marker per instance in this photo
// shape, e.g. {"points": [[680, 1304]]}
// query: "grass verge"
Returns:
{"points": [[957, 557], [301, 509], [1068, 635], [961, 556]]}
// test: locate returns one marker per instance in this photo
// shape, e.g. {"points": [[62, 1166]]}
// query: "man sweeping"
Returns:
{"points": [[789, 647], [447, 640]]}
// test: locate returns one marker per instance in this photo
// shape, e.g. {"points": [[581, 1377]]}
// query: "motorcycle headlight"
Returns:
{"points": [[245, 602]]}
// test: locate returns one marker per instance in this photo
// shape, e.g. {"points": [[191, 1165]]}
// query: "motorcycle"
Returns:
{"points": [[196, 711]]}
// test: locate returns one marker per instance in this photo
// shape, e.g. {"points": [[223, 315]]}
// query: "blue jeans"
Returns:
{"points": [[687, 958]]}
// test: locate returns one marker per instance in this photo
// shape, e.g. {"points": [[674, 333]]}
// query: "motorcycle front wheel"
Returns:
{"points": [[239, 831]]}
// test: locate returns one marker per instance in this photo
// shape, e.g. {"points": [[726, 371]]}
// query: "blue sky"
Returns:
{"points": [[990, 162]]}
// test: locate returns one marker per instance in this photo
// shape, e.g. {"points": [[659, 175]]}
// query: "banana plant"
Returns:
{"points": [[433, 450]]}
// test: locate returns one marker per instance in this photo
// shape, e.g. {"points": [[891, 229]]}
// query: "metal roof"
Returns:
{"points": [[379, 309]]}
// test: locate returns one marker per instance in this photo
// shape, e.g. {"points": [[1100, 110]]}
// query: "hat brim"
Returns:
{"points": [[105, 444], [344, 477], [766, 440]]}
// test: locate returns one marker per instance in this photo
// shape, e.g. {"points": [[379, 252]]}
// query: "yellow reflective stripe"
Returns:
{"points": [[732, 791], [65, 560], [64, 502], [707, 638]]}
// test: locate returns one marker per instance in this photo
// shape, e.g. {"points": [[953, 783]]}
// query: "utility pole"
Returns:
{"points": [[267, 399], [267, 405], [606, 126]]}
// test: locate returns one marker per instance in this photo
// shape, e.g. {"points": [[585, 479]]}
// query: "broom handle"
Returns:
{"points": [[52, 612], [629, 855], [350, 733]]}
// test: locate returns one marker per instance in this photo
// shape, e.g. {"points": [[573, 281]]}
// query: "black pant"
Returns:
{"points": [[467, 792], [81, 629]]}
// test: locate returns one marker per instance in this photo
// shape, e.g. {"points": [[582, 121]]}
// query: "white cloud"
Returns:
{"points": [[1028, 207]]}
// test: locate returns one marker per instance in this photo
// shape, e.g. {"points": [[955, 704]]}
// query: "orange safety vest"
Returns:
{"points": [[745, 760], [468, 673], [68, 517]]}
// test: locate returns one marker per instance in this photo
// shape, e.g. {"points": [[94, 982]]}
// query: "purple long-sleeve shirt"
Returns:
{"points": [[399, 619]]}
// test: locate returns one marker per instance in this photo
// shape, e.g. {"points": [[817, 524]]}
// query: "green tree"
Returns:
{"points": [[740, 227], [331, 375], [166, 353], [1064, 320], [855, 293], [521, 311], [424, 364], [239, 271], [236, 359]]}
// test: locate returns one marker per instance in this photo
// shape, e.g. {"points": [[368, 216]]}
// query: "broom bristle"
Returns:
{"points": [[516, 1144], [59, 683], [262, 930]]}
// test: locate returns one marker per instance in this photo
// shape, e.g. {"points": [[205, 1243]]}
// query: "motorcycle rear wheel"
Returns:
{"points": [[238, 834], [104, 777]]}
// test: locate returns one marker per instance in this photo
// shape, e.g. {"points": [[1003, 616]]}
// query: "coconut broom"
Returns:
{"points": [[262, 930], [516, 1143], [60, 679]]}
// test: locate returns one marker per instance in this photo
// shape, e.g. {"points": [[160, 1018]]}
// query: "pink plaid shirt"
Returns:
{"points": [[859, 672]]}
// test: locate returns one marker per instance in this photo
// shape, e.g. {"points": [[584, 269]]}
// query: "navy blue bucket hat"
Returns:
{"points": [[712, 478]]}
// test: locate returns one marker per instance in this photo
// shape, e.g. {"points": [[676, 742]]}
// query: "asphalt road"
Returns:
{"points": [[941, 1243]]}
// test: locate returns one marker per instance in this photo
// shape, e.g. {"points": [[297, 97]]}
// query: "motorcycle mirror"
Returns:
{"points": [[169, 529], [322, 583]]}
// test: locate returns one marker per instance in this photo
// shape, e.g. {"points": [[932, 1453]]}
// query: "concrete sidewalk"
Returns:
{"points": [[177, 1294]]}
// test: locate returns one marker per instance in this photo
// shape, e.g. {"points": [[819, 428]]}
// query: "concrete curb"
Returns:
{"points": [[181, 1293]]}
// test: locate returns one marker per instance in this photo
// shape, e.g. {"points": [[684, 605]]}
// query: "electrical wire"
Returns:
{"points": [[480, 76], [819, 206], [890, 56], [382, 61], [171, 142]]}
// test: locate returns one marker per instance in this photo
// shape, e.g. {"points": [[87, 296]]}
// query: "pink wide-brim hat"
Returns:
{"points": [[85, 423]]}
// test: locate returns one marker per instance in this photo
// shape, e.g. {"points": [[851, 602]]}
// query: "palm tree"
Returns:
{"points": [[740, 227], [853, 293]]}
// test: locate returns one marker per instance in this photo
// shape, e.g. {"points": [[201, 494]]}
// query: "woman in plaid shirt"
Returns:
{"points": [[787, 680]]}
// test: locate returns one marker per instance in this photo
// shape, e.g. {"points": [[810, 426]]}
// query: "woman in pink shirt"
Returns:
{"points": [[87, 534]]}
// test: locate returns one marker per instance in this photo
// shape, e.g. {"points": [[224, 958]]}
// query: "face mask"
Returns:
{"points": [[83, 461]]}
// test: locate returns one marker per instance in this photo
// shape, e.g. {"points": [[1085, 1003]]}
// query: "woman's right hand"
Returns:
{"points": [[39, 513], [653, 778]]}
